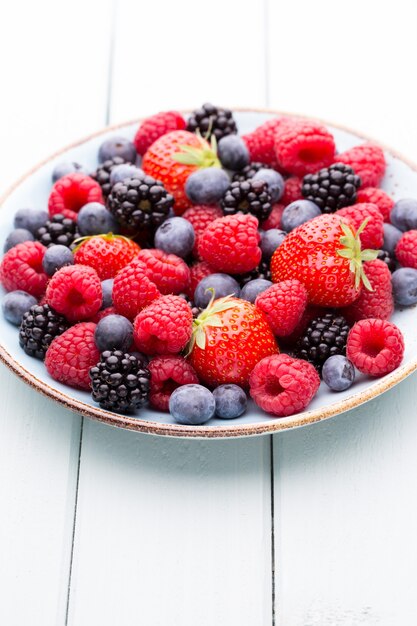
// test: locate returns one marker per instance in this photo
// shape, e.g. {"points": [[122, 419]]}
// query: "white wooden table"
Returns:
{"points": [[111, 528]]}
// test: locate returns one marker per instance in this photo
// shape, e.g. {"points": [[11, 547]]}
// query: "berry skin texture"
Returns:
{"points": [[163, 327], [211, 120], [375, 347], [404, 286], [175, 236], [325, 336], [71, 192], [192, 405], [15, 304], [107, 254], [40, 325], [168, 372], [75, 292], [231, 244], [200, 216], [30, 219], [367, 161], [373, 235], [113, 332], [233, 153], [231, 401], [379, 197], [392, 235], [378, 303], [252, 289], [19, 235], [338, 373], [406, 249], [207, 186], [21, 269], [249, 196], [274, 181], [283, 305], [56, 257], [282, 385], [298, 213], [95, 219], [261, 142], [332, 188], [169, 273], [303, 147], [119, 147], [71, 355], [198, 271], [67, 167], [152, 128], [403, 214], [133, 290], [222, 285]]}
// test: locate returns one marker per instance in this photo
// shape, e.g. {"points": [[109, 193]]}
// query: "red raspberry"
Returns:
{"points": [[102, 313], [406, 249], [21, 268], [71, 192], [373, 235], [198, 272], [379, 197], [292, 190], [375, 347], [303, 147], [283, 305], [155, 126], [274, 219], [71, 355], [261, 142], [378, 303], [230, 244], [169, 273], [282, 386], [367, 161], [310, 312], [163, 327], [75, 291], [133, 290], [200, 217], [107, 254], [167, 373]]}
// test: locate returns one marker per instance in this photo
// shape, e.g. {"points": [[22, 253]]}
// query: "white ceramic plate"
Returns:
{"points": [[33, 191]]}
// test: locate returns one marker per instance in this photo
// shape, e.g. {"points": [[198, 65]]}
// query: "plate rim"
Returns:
{"points": [[204, 432]]}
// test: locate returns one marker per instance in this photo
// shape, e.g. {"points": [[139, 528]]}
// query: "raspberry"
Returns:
{"points": [[155, 126], [71, 192], [71, 355], [310, 312], [75, 291], [133, 290], [406, 249], [292, 190], [168, 373], [282, 385], [169, 273], [303, 147], [163, 327], [198, 272], [367, 161], [283, 305], [373, 234], [200, 217], [261, 142], [274, 220], [379, 197], [375, 347], [107, 254], [378, 303], [230, 244], [21, 268], [102, 313]]}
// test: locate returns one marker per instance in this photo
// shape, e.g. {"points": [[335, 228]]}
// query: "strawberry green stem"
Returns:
{"points": [[352, 250]]}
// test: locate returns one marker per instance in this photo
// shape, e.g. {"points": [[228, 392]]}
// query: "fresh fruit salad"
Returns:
{"points": [[195, 268]]}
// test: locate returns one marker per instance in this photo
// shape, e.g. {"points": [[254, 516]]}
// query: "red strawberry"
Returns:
{"points": [[107, 254]]}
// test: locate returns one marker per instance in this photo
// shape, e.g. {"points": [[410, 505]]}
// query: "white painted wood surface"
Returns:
{"points": [[180, 532]]}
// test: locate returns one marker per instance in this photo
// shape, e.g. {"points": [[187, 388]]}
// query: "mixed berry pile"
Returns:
{"points": [[196, 266]]}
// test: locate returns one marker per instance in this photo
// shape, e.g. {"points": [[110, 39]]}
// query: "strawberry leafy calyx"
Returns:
{"points": [[106, 236], [352, 251], [202, 157], [209, 317]]}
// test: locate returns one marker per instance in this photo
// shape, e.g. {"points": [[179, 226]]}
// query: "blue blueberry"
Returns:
{"points": [[192, 404], [392, 235], [15, 304], [125, 170], [175, 236], [270, 241], [222, 285], [107, 289], [56, 257], [297, 213], [19, 235], [67, 167], [31, 219], [233, 152], [95, 219], [231, 401], [338, 373], [117, 146], [404, 286], [207, 186], [274, 180], [114, 332], [253, 288], [404, 214]]}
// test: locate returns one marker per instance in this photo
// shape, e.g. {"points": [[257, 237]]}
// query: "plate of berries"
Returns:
{"points": [[212, 273]]}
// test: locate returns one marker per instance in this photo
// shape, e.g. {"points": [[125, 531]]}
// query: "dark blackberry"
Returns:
{"points": [[120, 382], [140, 203], [195, 310], [325, 336], [211, 120], [102, 173], [58, 230], [248, 196], [331, 188], [40, 325], [248, 171], [389, 259], [262, 271]]}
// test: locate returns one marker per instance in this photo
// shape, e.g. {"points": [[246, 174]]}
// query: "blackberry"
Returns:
{"points": [[325, 336], [120, 381], [262, 271], [211, 120], [40, 325], [58, 230], [195, 310], [331, 188], [102, 173], [140, 203], [249, 196], [248, 171], [388, 258]]}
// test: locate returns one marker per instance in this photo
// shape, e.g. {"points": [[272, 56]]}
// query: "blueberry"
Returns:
{"points": [[114, 332], [404, 286], [274, 180], [31, 219], [270, 241], [207, 186], [222, 284], [392, 235], [338, 373], [15, 304], [67, 167], [231, 401], [125, 170], [253, 288], [19, 235], [192, 404], [175, 236], [107, 289], [404, 214], [233, 152], [95, 219], [56, 257], [117, 146], [297, 213]]}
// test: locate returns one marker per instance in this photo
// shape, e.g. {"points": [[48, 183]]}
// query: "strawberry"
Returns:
{"points": [[107, 254]]}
